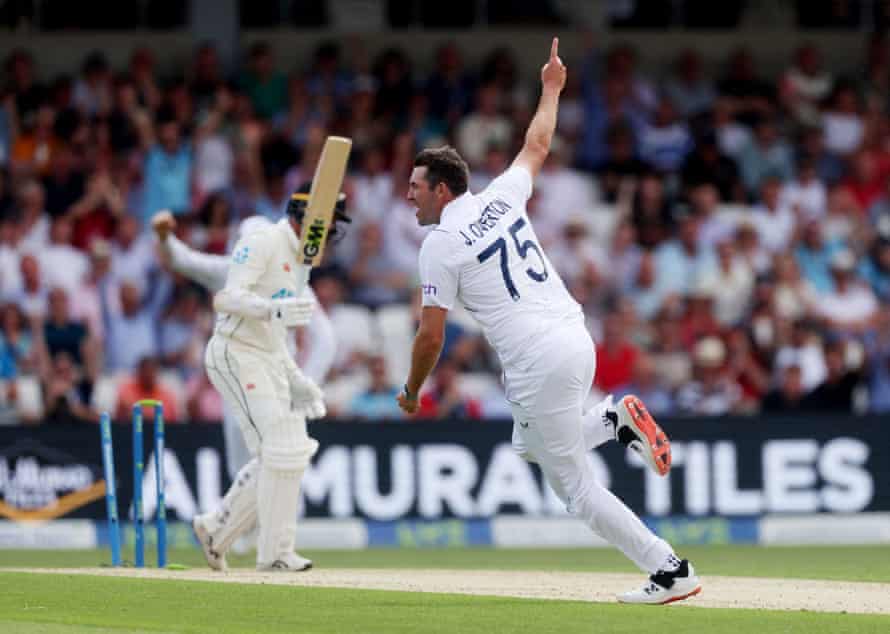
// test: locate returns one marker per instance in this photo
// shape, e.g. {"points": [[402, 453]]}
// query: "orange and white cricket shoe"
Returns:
{"points": [[666, 587], [637, 429]]}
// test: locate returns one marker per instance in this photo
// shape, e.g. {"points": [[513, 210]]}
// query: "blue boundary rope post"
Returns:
{"points": [[114, 535], [161, 514], [138, 519]]}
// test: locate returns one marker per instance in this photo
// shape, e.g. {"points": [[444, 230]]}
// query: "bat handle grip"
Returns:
{"points": [[302, 279]]}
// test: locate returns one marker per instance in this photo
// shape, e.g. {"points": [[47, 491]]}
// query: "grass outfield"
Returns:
{"points": [[850, 563], [34, 603]]}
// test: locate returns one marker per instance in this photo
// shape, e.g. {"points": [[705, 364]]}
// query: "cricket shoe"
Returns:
{"points": [[215, 559], [290, 562], [635, 428], [666, 587]]}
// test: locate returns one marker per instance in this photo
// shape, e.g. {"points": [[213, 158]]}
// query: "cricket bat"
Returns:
{"points": [[323, 195]]}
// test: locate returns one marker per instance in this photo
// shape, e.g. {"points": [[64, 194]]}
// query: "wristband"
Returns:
{"points": [[407, 393]]}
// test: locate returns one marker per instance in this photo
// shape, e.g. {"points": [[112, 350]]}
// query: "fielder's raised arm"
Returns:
{"points": [[540, 130]]}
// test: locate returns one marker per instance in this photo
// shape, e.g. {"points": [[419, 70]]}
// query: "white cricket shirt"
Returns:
{"points": [[485, 254]]}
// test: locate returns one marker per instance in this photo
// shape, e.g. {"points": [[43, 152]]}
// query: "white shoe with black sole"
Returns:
{"points": [[215, 559], [291, 562], [666, 587]]}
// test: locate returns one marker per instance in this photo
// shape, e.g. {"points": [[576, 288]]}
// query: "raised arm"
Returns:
{"points": [[540, 130], [207, 270]]}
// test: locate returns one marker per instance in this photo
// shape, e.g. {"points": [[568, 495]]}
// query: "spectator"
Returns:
{"points": [[682, 262], [375, 277], [34, 149], [707, 165], [624, 257], [96, 213], [168, 169], [766, 155], [63, 265], [66, 393], [616, 355], [484, 127], [444, 401], [851, 306], [789, 396], [29, 94], [774, 220], [805, 352], [18, 354], [746, 369], [750, 96], [378, 401], [180, 340], [650, 212], [85, 303], [877, 345], [130, 331], [793, 294], [811, 146], [34, 219], [688, 88], [875, 269], [836, 393], [813, 255], [62, 334], [698, 319], [805, 85], [203, 401], [92, 90], [665, 142], [32, 297], [732, 136], [714, 227], [449, 87], [619, 165], [216, 228], [806, 195], [65, 183], [843, 122], [582, 264], [712, 392], [646, 296], [129, 123], [730, 285], [144, 383], [266, 87], [132, 253], [865, 183], [647, 385]]}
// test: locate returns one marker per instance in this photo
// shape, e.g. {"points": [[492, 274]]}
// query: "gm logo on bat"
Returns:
{"points": [[314, 238]]}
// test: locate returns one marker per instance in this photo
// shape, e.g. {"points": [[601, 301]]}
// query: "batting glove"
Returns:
{"points": [[293, 311], [306, 397]]}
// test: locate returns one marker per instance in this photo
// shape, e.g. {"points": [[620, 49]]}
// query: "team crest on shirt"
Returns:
{"points": [[240, 256], [286, 267]]}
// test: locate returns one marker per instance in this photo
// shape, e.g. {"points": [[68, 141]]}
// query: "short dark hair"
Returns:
{"points": [[444, 165]]}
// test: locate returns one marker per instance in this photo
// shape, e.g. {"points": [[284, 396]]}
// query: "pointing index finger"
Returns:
{"points": [[554, 48]]}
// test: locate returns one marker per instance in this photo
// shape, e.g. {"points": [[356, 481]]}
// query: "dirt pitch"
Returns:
{"points": [[718, 592]]}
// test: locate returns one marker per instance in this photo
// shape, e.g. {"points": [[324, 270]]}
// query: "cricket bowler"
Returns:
{"points": [[484, 253]]}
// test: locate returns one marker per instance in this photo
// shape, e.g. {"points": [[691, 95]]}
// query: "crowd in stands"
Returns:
{"points": [[727, 233]]}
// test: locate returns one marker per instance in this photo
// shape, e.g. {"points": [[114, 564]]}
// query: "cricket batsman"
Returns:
{"points": [[484, 254], [248, 361]]}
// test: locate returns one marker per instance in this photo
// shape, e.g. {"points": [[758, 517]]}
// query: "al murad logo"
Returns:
{"points": [[42, 483]]}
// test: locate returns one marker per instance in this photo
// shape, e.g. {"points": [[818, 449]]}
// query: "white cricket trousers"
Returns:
{"points": [[547, 399], [255, 387]]}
